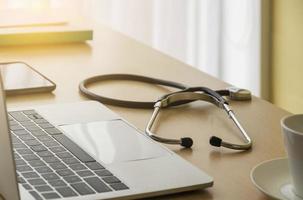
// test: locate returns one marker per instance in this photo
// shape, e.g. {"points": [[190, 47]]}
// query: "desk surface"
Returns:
{"points": [[112, 52]]}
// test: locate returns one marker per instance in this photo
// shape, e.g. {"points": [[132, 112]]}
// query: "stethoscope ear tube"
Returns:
{"points": [[248, 142], [187, 142]]}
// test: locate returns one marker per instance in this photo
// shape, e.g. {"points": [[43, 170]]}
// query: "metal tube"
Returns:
{"points": [[248, 141], [173, 98], [150, 124]]}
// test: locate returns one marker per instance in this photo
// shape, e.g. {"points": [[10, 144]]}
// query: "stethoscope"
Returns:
{"points": [[184, 96]]}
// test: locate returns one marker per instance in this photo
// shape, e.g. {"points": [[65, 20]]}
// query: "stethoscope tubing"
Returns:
{"points": [[183, 96]]}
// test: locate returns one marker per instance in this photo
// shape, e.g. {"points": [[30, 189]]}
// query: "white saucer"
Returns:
{"points": [[272, 177]]}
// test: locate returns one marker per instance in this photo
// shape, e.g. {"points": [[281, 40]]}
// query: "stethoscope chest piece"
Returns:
{"points": [[239, 94]]}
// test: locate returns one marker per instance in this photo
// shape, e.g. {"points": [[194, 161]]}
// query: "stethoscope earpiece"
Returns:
{"points": [[215, 141], [186, 142]]}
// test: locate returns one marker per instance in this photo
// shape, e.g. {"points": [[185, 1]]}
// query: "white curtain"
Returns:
{"points": [[219, 37]]}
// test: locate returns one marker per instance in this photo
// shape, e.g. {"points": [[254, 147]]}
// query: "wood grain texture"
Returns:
{"points": [[112, 52]]}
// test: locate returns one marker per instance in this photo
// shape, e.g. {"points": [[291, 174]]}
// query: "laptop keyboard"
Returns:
{"points": [[50, 165]]}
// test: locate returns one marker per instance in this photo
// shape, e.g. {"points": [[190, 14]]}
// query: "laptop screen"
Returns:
{"points": [[8, 181]]}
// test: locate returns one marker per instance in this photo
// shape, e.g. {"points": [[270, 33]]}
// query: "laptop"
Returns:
{"points": [[83, 150]]}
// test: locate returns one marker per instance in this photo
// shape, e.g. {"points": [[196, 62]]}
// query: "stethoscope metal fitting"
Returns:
{"points": [[194, 94], [183, 96]]}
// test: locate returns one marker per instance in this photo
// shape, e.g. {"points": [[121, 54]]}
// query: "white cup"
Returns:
{"points": [[292, 128]]}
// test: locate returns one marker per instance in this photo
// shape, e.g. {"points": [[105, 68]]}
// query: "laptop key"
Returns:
{"points": [[94, 166], [19, 146], [43, 188], [77, 167], [24, 168], [72, 179], [97, 184], [85, 173], [16, 127], [51, 159], [103, 173], [19, 116], [111, 179], [27, 123], [32, 116], [38, 148], [40, 121], [66, 192], [36, 163], [50, 176], [21, 132], [26, 137], [46, 125], [119, 186], [58, 166], [32, 128], [27, 186], [82, 188], [42, 170], [20, 162], [38, 133], [65, 172], [29, 112], [52, 195], [32, 142], [70, 161], [35, 195], [57, 149], [53, 131], [36, 181], [24, 151], [45, 138], [29, 175], [50, 143], [64, 155], [57, 183], [45, 154], [30, 157], [35, 116], [73, 148]]}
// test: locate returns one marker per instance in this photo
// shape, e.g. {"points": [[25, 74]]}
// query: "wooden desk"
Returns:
{"points": [[112, 52]]}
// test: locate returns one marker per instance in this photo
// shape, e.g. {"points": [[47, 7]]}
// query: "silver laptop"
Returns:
{"points": [[85, 151]]}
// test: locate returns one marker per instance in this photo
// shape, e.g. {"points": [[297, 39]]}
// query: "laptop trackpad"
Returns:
{"points": [[113, 141]]}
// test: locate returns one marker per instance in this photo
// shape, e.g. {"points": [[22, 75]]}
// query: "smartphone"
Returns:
{"points": [[20, 78]]}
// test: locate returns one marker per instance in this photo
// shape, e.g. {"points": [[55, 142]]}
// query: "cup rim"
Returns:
{"points": [[290, 129]]}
